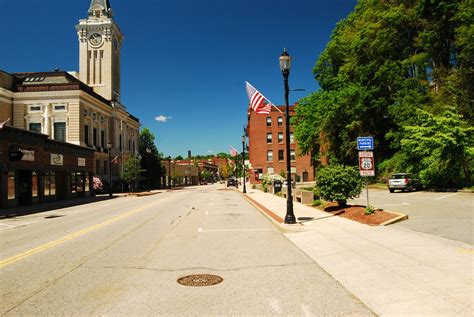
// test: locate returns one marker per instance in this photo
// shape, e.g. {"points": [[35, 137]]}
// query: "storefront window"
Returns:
{"points": [[49, 184], [80, 182], [87, 184], [11, 185], [34, 184], [73, 183]]}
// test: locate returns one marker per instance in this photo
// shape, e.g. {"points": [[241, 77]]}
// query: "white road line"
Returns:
{"points": [[439, 198], [232, 230], [402, 204]]}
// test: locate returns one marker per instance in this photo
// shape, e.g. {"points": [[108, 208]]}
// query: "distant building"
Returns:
{"points": [[83, 109], [267, 148]]}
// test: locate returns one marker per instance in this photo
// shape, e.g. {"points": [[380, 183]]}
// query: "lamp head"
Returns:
{"points": [[285, 61]]}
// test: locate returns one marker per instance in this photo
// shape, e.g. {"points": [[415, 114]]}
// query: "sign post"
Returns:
{"points": [[365, 145]]}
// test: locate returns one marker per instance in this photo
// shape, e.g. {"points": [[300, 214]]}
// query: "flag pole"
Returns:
{"points": [[271, 103]]}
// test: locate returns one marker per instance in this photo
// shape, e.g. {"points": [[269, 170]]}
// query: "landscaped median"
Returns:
{"points": [[359, 213]]}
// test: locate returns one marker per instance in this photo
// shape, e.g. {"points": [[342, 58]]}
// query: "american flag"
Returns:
{"points": [[115, 160], [3, 123], [258, 102], [233, 151]]}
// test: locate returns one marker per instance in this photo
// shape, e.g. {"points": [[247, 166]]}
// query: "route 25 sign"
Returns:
{"points": [[366, 163]]}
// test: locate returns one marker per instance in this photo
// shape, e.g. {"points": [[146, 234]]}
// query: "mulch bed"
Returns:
{"points": [[357, 213]]}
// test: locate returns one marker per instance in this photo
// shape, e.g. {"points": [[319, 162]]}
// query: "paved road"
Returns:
{"points": [[449, 215], [124, 256]]}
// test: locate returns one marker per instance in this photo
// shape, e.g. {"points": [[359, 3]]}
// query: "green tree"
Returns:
{"points": [[383, 64], [439, 149], [131, 171], [151, 159]]}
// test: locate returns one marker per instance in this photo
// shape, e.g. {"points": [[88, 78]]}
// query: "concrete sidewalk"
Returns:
{"points": [[394, 271]]}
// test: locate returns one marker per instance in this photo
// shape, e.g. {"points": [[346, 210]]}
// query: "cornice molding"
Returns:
{"points": [[5, 93]]}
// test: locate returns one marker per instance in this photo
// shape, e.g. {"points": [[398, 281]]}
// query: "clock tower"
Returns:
{"points": [[100, 40]]}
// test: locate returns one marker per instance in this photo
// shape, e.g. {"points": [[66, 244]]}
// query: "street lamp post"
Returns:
{"points": [[148, 154], [169, 172], [243, 163], [285, 65], [109, 149]]}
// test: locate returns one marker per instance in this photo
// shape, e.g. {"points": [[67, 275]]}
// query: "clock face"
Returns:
{"points": [[95, 39]]}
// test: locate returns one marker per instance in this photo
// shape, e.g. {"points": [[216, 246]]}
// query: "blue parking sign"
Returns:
{"points": [[365, 143]]}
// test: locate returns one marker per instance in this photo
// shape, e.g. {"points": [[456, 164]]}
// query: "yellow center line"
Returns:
{"points": [[74, 235]]}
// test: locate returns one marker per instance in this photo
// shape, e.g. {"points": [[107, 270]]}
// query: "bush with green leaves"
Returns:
{"points": [[338, 183], [369, 210]]}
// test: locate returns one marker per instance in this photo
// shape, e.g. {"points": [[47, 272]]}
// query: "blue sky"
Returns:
{"points": [[184, 60]]}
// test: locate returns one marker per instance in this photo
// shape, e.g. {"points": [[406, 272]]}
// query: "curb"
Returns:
{"points": [[276, 220], [399, 218]]}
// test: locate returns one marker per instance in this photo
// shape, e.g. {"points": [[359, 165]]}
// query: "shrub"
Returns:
{"points": [[369, 210], [317, 202], [338, 183]]}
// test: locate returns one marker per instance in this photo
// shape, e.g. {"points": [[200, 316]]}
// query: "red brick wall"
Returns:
{"points": [[258, 146]]}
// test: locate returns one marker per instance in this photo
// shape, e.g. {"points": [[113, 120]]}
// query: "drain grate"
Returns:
{"points": [[200, 280]]}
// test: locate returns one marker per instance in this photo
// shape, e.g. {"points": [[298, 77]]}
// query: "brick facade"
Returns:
{"points": [[267, 133]]}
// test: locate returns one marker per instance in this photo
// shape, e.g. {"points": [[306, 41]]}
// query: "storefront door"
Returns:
{"points": [[24, 187]]}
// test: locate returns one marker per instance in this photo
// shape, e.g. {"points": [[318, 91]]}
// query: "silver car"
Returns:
{"points": [[403, 182]]}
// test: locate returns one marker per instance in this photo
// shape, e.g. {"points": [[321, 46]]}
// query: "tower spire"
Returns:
{"points": [[100, 8]]}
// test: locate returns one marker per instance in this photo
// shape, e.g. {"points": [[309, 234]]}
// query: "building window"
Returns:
{"points": [[35, 127], [60, 131], [86, 134], [269, 138], [36, 109], [60, 108], [269, 121], [11, 185], [269, 156], [280, 121], [49, 184], [120, 143], [80, 182], [87, 184], [73, 183], [292, 138], [34, 184], [97, 167], [281, 155], [292, 155], [280, 137], [102, 139], [270, 170], [94, 136]]}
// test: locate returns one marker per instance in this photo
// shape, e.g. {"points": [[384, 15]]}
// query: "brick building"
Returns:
{"points": [[267, 155]]}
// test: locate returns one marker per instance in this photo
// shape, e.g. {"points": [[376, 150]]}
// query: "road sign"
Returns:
{"points": [[365, 143], [366, 163]]}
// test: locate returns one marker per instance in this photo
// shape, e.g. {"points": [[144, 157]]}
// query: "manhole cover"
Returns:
{"points": [[200, 280]]}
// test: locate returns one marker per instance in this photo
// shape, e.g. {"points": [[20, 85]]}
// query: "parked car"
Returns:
{"points": [[404, 182], [231, 182]]}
